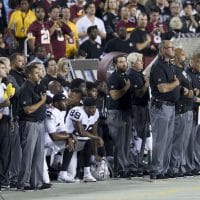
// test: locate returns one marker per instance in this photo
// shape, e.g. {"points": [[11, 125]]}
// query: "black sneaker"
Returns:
{"points": [[189, 174], [180, 175], [171, 175], [45, 186], [196, 173], [140, 173], [161, 176], [26, 188], [132, 173], [146, 173], [152, 176], [120, 174], [13, 185], [29, 188], [158, 176]]}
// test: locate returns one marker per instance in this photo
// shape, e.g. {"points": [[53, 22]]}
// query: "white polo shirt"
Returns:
{"points": [[83, 23]]}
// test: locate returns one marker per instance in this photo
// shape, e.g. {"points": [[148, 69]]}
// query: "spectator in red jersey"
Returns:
{"points": [[125, 21], [39, 32], [77, 10], [58, 32]]}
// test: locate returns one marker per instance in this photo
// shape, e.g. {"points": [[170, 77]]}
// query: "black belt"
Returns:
{"points": [[182, 108], [35, 121], [167, 103], [5, 118]]}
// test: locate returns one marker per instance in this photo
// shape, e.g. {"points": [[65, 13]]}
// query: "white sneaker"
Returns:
{"points": [[89, 178], [77, 180], [65, 178]]}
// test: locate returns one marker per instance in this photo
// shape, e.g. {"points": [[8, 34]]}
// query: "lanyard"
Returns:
{"points": [[23, 21]]}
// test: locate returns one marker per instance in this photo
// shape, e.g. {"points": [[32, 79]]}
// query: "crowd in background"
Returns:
{"points": [[125, 26], [53, 127]]}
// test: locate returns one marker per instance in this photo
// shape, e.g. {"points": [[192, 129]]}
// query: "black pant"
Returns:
{"points": [[85, 153], [103, 131], [5, 156]]}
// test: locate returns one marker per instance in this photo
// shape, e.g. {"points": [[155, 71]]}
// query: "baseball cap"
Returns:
{"points": [[59, 97], [187, 3], [89, 101]]}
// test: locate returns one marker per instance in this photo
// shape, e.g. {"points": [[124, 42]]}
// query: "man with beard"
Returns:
{"points": [[17, 78], [56, 138], [41, 55], [192, 165], [119, 114], [183, 118], [39, 32], [17, 68]]}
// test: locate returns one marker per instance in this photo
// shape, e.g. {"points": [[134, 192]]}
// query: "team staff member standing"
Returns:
{"points": [[32, 115], [192, 152], [4, 133], [183, 118], [14, 127], [165, 92], [140, 99], [119, 115]]}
